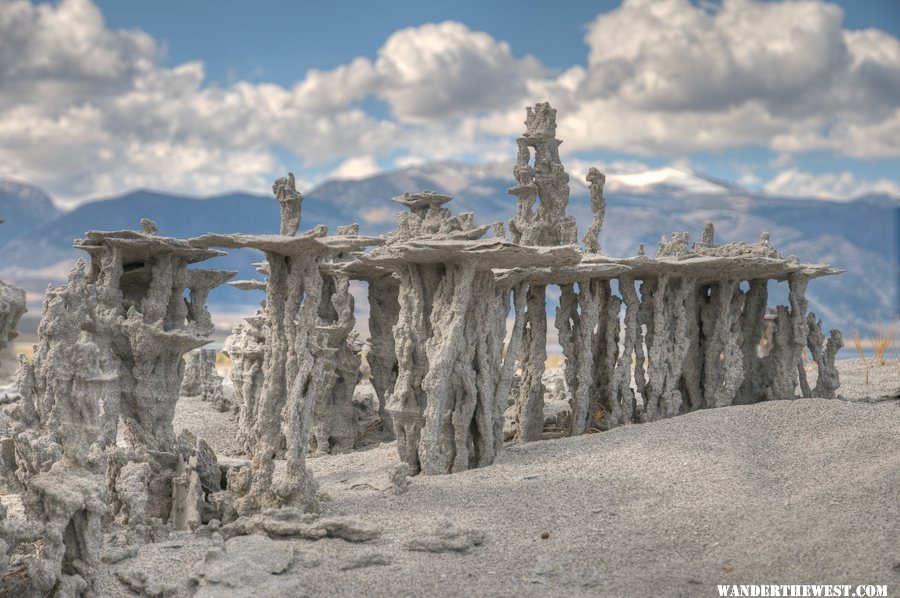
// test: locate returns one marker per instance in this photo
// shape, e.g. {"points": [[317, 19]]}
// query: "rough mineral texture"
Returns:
{"points": [[110, 348], [298, 365], [291, 202], [545, 181], [691, 333], [823, 354], [291, 380], [384, 311], [598, 206], [334, 421], [12, 308], [245, 347], [453, 378], [202, 380], [446, 537]]}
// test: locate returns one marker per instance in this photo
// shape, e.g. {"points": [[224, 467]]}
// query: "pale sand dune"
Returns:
{"points": [[802, 491]]}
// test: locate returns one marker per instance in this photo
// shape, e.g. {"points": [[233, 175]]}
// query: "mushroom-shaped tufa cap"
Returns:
{"points": [[423, 200]]}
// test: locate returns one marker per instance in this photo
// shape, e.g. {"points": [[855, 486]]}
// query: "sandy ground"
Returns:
{"points": [[859, 382], [803, 491], [220, 429]]}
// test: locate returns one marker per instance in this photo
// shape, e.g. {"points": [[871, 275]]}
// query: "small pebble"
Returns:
{"points": [[545, 535]]}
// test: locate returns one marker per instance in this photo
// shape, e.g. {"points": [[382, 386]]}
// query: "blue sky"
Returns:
{"points": [[280, 40], [203, 97]]}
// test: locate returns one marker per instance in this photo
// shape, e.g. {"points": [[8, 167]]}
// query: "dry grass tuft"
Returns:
{"points": [[555, 361], [25, 349], [880, 343], [222, 360], [857, 342], [374, 426], [14, 575], [557, 431]]}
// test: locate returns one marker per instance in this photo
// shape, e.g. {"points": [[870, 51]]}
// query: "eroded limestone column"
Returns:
{"points": [[824, 354], [246, 347], [406, 403], [723, 367], [334, 421], [691, 386], [548, 225], [672, 299], [619, 404], [384, 311], [752, 322], [291, 383], [605, 349], [12, 308], [530, 403], [797, 284]]}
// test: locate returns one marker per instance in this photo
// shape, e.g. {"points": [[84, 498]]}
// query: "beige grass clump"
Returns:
{"points": [[881, 341], [857, 342], [222, 360]]}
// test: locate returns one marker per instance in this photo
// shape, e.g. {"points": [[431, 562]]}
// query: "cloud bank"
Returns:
{"points": [[86, 110]]}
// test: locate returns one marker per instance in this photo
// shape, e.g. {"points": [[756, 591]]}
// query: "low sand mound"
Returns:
{"points": [[802, 491]]}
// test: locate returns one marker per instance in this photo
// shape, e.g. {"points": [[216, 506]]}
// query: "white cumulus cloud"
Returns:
{"points": [[441, 70], [357, 167], [835, 185], [88, 110], [671, 76]]}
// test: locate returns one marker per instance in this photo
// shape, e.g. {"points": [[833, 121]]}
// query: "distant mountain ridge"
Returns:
{"points": [[859, 235], [23, 207]]}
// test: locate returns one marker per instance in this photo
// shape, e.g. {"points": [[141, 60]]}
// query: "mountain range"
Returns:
{"points": [[861, 235]]}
